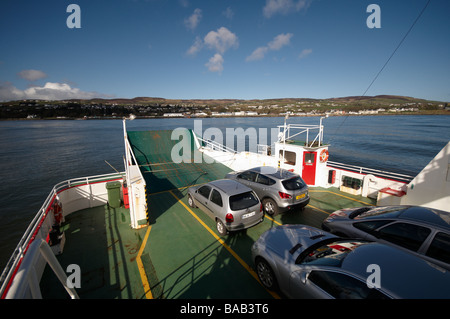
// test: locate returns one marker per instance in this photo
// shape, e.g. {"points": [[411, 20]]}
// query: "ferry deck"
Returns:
{"points": [[178, 253]]}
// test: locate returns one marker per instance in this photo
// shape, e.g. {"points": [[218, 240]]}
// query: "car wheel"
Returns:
{"points": [[221, 228], [191, 201], [270, 207], [265, 274]]}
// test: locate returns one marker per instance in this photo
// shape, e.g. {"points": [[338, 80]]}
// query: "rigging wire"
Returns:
{"points": [[387, 61]]}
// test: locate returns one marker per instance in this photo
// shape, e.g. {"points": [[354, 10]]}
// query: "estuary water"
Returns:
{"points": [[35, 155]]}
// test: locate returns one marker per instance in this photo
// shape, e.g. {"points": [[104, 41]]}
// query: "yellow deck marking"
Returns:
{"points": [[231, 251], [320, 210], [324, 191], [148, 292]]}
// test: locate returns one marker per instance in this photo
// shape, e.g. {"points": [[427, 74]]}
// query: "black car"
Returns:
{"points": [[424, 231]]}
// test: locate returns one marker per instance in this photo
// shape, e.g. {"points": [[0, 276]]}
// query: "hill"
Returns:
{"points": [[161, 107]]}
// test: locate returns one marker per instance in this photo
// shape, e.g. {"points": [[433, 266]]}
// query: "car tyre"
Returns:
{"points": [[265, 274], [221, 228], [270, 207], [191, 201]]}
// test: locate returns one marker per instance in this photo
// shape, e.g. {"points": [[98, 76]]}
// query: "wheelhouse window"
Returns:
{"points": [[289, 157]]}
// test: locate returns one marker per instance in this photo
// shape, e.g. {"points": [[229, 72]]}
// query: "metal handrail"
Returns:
{"points": [[32, 228], [218, 145], [365, 170]]}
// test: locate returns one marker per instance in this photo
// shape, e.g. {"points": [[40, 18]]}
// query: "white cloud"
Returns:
{"points": [[221, 40], [196, 47], [215, 63], [276, 44], [32, 75], [228, 13], [258, 54], [50, 91], [280, 41], [184, 3], [193, 21], [284, 6], [218, 41], [304, 53]]}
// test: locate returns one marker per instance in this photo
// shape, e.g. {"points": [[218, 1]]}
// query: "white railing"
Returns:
{"points": [[365, 170], [215, 146], [284, 132], [32, 231]]}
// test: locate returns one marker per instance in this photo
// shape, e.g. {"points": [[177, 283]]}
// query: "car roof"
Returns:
{"points": [[275, 172], [230, 187], [426, 215], [401, 273]]}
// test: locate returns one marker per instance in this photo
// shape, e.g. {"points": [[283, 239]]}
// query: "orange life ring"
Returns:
{"points": [[323, 156]]}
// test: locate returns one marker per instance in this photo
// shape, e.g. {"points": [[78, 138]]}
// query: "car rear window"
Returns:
{"points": [[243, 201], [293, 184]]}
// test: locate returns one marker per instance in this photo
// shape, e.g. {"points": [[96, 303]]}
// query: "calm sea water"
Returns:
{"points": [[35, 155]]}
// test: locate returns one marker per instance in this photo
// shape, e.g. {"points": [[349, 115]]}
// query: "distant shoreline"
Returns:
{"points": [[433, 112]]}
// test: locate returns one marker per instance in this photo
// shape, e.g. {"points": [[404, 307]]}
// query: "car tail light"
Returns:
{"points": [[229, 218], [260, 208], [284, 195]]}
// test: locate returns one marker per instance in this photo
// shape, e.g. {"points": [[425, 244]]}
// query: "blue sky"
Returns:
{"points": [[245, 49]]}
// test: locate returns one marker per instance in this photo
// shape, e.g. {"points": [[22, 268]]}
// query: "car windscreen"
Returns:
{"points": [[243, 201], [378, 212], [294, 183]]}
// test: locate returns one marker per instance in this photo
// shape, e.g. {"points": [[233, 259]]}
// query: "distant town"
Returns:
{"points": [[147, 107]]}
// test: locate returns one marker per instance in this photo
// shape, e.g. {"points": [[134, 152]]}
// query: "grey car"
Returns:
{"points": [[306, 262], [230, 204], [278, 189], [423, 231]]}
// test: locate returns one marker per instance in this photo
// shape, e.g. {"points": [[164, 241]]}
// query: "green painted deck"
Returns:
{"points": [[181, 257], [179, 254]]}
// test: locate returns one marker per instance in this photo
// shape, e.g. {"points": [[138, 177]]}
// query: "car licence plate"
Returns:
{"points": [[248, 215], [300, 196]]}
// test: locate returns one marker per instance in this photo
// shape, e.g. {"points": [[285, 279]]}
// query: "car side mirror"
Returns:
{"points": [[304, 276]]}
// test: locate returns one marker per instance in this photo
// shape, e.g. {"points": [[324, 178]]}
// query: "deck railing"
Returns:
{"points": [[33, 229], [365, 170]]}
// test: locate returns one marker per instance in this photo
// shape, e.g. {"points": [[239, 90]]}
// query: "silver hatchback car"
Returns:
{"points": [[230, 204], [278, 189], [306, 262]]}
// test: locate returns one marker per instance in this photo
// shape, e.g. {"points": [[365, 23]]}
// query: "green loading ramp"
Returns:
{"points": [[153, 149]]}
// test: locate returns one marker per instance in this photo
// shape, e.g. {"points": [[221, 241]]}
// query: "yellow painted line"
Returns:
{"points": [[148, 292], [231, 251], [268, 217], [356, 200], [320, 210]]}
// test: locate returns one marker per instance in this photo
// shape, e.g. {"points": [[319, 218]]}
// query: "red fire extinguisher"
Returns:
{"points": [[126, 200]]}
